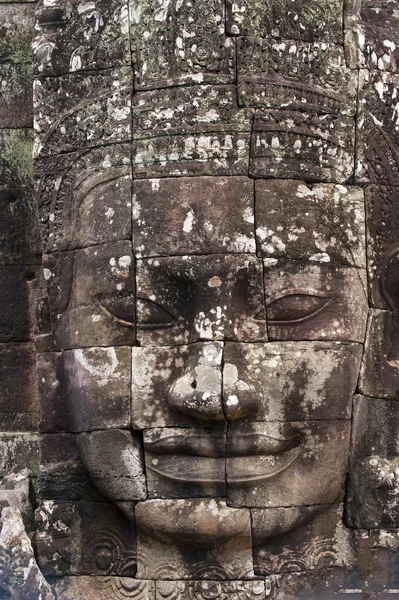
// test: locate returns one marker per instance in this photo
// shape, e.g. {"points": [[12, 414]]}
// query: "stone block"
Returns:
{"points": [[71, 36], [286, 381], [377, 552], [193, 298], [113, 459], [377, 137], [193, 539], [86, 389], [17, 451], [382, 217], [372, 493], [290, 19], [18, 291], [85, 538], [298, 144], [178, 44], [319, 543], [182, 215], [19, 404], [202, 590], [16, 100], [379, 372], [195, 130], [177, 385], [16, 167], [19, 232], [295, 75], [103, 588], [84, 198], [278, 464], [16, 30], [185, 462], [91, 296], [64, 122], [306, 301], [62, 475], [322, 222]]}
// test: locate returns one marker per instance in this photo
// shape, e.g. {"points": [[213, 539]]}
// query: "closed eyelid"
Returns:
{"points": [[163, 317], [278, 309]]}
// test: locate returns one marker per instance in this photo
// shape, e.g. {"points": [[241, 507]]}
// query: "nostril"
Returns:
{"points": [[194, 385]]}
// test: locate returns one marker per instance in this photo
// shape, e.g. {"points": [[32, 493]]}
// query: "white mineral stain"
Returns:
{"points": [[75, 62], [85, 7], [232, 401], [215, 282], [162, 11], [270, 262], [322, 257], [124, 262], [101, 363], [230, 374], [189, 221], [248, 215]]}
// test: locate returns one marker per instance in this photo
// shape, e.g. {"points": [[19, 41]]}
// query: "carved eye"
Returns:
{"points": [[151, 315], [119, 307], [294, 308]]}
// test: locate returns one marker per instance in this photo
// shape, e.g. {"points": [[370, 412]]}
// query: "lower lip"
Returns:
{"points": [[239, 470]]}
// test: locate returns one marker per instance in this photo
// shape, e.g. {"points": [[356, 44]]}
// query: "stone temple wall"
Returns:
{"points": [[203, 300], [20, 247]]}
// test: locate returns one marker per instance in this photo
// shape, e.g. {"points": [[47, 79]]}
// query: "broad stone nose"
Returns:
{"points": [[198, 391], [209, 390]]}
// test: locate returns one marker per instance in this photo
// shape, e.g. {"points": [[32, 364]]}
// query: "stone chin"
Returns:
{"points": [[192, 522], [205, 522]]}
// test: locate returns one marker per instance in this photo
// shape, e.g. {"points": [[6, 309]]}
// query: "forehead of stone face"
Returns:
{"points": [[183, 215], [323, 223], [192, 298]]}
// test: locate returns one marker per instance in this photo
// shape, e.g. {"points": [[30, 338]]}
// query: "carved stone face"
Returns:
{"points": [[206, 330], [237, 394]]}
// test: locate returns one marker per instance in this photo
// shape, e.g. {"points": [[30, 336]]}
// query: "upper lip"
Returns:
{"points": [[219, 445]]}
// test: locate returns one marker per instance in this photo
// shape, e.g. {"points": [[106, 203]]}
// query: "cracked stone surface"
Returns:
{"points": [[216, 191]]}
